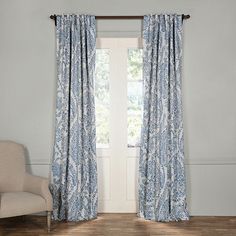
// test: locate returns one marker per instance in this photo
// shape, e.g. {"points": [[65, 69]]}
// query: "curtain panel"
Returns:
{"points": [[74, 168], [162, 191]]}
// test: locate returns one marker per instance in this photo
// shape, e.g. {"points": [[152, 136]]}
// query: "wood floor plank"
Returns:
{"points": [[119, 225]]}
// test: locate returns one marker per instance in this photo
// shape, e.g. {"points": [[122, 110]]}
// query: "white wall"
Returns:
{"points": [[28, 78]]}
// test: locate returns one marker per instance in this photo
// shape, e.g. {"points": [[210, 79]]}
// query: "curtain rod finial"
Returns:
{"points": [[185, 16], [53, 17]]}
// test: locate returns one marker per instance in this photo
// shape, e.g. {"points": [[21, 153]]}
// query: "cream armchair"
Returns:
{"points": [[20, 192]]}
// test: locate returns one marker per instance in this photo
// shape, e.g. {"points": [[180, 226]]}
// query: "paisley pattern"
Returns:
{"points": [[162, 191], [74, 168]]}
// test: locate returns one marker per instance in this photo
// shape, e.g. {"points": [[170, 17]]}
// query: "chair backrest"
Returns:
{"points": [[12, 166]]}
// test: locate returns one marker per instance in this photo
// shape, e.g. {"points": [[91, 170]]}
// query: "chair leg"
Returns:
{"points": [[49, 220]]}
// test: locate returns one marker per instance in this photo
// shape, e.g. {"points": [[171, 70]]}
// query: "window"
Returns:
{"points": [[135, 84], [118, 92], [102, 97]]}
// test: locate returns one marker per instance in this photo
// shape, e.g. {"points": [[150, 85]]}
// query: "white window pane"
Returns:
{"points": [[135, 64], [134, 131], [134, 113], [135, 96], [102, 97]]}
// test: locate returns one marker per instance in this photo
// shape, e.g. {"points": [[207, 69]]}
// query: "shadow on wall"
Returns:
{"points": [[28, 166]]}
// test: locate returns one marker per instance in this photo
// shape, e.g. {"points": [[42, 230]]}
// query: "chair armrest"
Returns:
{"points": [[38, 185]]}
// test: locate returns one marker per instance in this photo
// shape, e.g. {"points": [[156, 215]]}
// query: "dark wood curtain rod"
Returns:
{"points": [[53, 17]]}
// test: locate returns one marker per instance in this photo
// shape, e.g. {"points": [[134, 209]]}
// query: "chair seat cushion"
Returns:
{"points": [[20, 203]]}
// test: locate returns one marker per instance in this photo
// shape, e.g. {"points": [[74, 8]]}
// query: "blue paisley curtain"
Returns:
{"points": [[162, 191], [74, 168]]}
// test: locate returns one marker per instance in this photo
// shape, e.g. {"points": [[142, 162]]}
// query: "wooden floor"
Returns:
{"points": [[121, 225]]}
